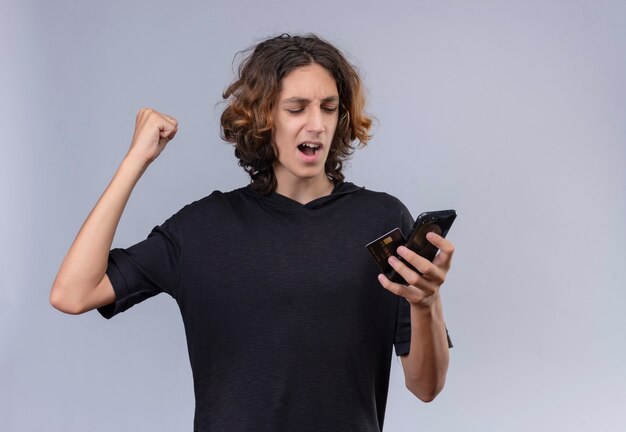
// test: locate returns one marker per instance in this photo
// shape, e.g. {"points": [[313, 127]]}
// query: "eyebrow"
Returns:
{"points": [[301, 100]]}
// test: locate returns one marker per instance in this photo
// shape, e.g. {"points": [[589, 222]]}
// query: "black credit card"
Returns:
{"points": [[385, 246]]}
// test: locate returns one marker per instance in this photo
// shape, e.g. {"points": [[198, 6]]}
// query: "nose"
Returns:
{"points": [[315, 121]]}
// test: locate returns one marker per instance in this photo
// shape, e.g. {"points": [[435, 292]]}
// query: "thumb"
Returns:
{"points": [[168, 130]]}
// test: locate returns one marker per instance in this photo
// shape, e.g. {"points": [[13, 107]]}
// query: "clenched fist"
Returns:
{"points": [[153, 130]]}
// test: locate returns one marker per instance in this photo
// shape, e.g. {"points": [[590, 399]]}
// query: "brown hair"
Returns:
{"points": [[247, 120]]}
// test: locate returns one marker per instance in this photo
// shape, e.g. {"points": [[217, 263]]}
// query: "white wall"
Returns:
{"points": [[512, 112]]}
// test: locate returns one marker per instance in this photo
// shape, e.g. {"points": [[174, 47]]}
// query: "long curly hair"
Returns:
{"points": [[247, 119]]}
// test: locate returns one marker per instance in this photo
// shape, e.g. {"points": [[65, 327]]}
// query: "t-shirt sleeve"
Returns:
{"points": [[145, 269], [403, 329], [402, 341]]}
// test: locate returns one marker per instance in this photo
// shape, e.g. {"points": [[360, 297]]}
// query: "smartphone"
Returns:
{"points": [[383, 247]]}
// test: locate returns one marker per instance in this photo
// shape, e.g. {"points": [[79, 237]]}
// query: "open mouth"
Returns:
{"points": [[309, 149]]}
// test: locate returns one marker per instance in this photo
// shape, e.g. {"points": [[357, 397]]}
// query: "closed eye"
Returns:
{"points": [[329, 109], [295, 110]]}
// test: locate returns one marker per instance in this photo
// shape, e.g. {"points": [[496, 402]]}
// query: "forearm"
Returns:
{"points": [[81, 283], [85, 264], [426, 365]]}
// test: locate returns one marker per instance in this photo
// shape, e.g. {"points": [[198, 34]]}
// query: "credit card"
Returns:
{"points": [[385, 246]]}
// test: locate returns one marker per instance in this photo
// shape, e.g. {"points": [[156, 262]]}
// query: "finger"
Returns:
{"points": [[166, 125], [168, 132], [142, 114], [428, 270], [171, 119], [441, 243], [153, 116], [411, 293], [446, 250], [428, 283]]}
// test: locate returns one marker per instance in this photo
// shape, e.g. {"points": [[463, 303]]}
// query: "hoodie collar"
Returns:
{"points": [[341, 189]]}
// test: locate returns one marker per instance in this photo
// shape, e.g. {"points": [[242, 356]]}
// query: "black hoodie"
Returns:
{"points": [[288, 328]]}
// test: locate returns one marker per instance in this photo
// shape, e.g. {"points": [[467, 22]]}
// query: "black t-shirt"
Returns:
{"points": [[287, 326]]}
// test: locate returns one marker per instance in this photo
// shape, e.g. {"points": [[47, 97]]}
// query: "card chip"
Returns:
{"points": [[387, 240]]}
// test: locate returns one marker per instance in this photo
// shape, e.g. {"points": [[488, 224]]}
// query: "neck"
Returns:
{"points": [[305, 190]]}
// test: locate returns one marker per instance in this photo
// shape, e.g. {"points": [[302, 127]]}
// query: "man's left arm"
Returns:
{"points": [[426, 364]]}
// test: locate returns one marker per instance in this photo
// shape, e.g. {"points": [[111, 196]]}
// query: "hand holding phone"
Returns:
{"points": [[383, 247]]}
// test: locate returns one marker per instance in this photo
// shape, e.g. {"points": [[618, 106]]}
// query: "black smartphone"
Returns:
{"points": [[383, 247]]}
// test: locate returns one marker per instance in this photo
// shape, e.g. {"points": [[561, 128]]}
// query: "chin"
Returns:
{"points": [[309, 176], [300, 172]]}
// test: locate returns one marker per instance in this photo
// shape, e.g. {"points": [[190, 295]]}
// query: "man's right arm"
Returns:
{"points": [[81, 283]]}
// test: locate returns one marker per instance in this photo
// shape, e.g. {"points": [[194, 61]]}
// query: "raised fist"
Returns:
{"points": [[153, 130]]}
